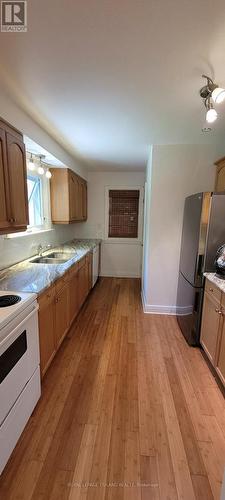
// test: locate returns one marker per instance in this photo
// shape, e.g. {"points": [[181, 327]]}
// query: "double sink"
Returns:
{"points": [[54, 258]]}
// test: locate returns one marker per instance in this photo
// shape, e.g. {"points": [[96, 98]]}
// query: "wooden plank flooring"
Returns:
{"points": [[128, 411]]}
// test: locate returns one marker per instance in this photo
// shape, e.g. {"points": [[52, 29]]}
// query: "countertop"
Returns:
{"points": [[219, 282], [32, 277]]}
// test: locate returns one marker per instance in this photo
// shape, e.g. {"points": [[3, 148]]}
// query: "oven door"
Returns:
{"points": [[19, 357]]}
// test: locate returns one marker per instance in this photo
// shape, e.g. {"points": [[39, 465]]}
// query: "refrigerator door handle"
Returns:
{"points": [[199, 269]]}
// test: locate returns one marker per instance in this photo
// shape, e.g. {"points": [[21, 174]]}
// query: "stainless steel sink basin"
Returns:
{"points": [[60, 255], [54, 258], [48, 260]]}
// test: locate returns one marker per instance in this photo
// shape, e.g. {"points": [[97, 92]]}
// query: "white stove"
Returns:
{"points": [[7, 313], [19, 366]]}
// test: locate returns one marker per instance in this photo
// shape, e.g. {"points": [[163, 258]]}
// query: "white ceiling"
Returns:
{"points": [[108, 78]]}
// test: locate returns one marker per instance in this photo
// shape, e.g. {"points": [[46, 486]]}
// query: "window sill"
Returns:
{"points": [[27, 233]]}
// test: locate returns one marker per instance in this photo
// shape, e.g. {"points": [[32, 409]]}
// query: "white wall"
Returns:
{"points": [[117, 259], [14, 250], [175, 171]]}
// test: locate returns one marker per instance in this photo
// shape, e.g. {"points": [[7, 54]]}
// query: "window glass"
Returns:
{"points": [[34, 186]]}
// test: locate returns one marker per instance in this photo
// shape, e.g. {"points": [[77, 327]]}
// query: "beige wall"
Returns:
{"points": [[118, 259], [176, 171]]}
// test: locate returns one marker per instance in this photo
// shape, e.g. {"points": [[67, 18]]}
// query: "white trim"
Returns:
{"points": [[156, 309], [119, 275]]}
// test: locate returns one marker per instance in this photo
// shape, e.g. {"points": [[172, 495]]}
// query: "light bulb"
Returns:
{"points": [[218, 95], [31, 165], [211, 115], [41, 170], [48, 174]]}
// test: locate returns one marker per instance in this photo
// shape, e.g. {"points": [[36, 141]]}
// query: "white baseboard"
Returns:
{"points": [[119, 275], [156, 309]]}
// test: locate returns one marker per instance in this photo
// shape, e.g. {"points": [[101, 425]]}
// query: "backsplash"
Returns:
{"points": [[13, 250]]}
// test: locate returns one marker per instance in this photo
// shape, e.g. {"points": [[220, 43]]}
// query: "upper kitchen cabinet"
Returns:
{"points": [[68, 196], [13, 185], [220, 175]]}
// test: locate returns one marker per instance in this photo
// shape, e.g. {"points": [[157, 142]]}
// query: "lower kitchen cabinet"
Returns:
{"points": [[59, 306], [47, 328], [61, 314], [220, 364], [89, 270], [82, 281], [73, 294], [213, 328], [210, 326]]}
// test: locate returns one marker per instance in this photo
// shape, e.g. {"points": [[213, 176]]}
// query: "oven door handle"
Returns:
{"points": [[19, 326]]}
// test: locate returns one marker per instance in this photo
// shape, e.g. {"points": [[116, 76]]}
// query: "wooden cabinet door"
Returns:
{"points": [[73, 296], [73, 196], [210, 326], [220, 364], [4, 188], [82, 283], [220, 175], [84, 200], [80, 200], [17, 181], [47, 329], [61, 314], [90, 264]]}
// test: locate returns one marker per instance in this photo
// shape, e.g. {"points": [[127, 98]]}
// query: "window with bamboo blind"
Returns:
{"points": [[123, 213]]}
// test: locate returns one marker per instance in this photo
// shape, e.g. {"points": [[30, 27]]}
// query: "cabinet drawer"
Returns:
{"points": [[61, 282], [46, 297], [213, 290]]}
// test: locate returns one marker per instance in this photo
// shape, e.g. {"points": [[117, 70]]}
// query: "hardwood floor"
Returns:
{"points": [[128, 411]]}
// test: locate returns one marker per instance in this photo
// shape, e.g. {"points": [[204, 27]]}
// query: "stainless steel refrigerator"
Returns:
{"points": [[203, 232]]}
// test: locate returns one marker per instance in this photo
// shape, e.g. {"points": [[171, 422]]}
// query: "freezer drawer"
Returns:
{"points": [[189, 307]]}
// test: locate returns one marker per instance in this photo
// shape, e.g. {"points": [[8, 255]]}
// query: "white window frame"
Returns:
{"points": [[46, 206], [128, 241]]}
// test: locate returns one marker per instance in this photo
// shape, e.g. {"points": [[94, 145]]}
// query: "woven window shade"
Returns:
{"points": [[123, 213]]}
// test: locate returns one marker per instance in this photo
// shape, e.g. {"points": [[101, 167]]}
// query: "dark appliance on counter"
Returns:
{"points": [[220, 262], [203, 232]]}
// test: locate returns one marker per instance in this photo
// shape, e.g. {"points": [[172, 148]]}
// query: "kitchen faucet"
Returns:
{"points": [[43, 248]]}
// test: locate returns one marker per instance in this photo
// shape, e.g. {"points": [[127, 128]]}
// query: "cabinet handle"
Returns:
{"points": [[211, 290], [12, 220], [217, 310]]}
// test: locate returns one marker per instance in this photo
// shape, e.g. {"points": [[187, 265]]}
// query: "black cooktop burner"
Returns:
{"points": [[9, 300]]}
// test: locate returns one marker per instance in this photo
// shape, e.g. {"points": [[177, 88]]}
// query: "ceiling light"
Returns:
{"points": [[48, 174], [211, 91], [218, 95], [41, 170], [31, 165], [211, 115]]}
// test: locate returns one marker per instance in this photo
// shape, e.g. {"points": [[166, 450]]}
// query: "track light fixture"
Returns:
{"points": [[211, 92], [31, 164], [36, 164]]}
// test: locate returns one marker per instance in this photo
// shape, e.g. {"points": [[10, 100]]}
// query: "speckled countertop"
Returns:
{"points": [[219, 282], [27, 276]]}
